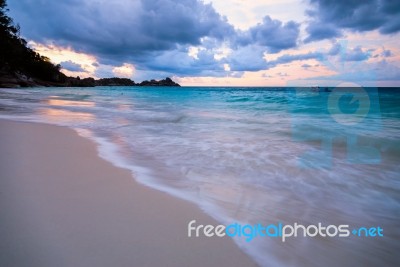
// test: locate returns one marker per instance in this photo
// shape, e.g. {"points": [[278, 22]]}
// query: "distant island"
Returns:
{"points": [[16, 79], [20, 66], [90, 82]]}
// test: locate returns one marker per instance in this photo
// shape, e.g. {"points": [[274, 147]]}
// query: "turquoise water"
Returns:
{"points": [[251, 155]]}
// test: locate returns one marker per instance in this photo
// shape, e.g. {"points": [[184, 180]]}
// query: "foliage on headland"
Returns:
{"points": [[21, 66], [20, 63], [91, 82]]}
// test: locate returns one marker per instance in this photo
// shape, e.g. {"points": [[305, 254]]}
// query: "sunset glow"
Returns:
{"points": [[235, 42]]}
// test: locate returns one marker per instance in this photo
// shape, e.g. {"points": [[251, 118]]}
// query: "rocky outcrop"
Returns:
{"points": [[115, 82], [166, 82], [8, 80], [78, 82], [17, 79]]}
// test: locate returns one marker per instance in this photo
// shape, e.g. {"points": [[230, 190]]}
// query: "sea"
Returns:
{"points": [[251, 155]]}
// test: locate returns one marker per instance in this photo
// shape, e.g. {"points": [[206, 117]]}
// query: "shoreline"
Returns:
{"points": [[63, 205]]}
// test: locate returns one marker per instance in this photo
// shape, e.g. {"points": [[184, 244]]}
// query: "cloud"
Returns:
{"points": [[349, 54], [67, 57], [335, 49], [318, 31], [271, 34], [282, 74], [125, 71], [386, 53], [386, 71], [368, 72], [359, 16], [247, 58], [71, 66], [146, 39], [338, 52], [120, 30], [153, 35], [183, 21], [252, 58], [181, 62], [287, 58], [357, 54]]}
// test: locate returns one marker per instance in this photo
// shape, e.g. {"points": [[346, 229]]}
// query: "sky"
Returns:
{"points": [[219, 42]]}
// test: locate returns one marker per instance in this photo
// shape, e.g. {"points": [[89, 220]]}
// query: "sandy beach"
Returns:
{"points": [[62, 205]]}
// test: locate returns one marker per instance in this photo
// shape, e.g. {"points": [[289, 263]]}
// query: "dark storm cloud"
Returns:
{"points": [[151, 34], [180, 63], [119, 28], [272, 34], [360, 16], [319, 31]]}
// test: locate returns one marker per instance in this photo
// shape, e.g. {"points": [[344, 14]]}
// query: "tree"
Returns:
{"points": [[9, 35], [16, 56], [6, 23]]}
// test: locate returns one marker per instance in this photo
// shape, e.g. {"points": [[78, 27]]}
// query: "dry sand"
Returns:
{"points": [[62, 205]]}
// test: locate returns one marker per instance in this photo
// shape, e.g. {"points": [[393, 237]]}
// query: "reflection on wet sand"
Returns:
{"points": [[60, 115], [69, 103]]}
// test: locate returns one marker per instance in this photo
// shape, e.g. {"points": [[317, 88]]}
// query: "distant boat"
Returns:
{"points": [[320, 89]]}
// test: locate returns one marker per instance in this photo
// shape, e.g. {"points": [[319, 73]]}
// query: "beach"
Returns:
{"points": [[199, 133], [62, 205], [113, 175]]}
